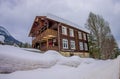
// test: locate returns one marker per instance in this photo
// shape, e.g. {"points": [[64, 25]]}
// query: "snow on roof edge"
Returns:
{"points": [[59, 19]]}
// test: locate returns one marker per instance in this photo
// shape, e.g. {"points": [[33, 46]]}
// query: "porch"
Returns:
{"points": [[47, 40], [49, 44]]}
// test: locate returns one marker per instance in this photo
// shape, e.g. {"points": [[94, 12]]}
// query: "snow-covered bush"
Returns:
{"points": [[2, 38]]}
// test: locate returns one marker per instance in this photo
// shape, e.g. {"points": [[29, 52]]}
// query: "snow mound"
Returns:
{"points": [[87, 60], [73, 61], [52, 65], [31, 49], [117, 68], [15, 58], [98, 70], [53, 53]]}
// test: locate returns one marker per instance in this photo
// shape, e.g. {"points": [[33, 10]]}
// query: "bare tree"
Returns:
{"points": [[102, 41]]}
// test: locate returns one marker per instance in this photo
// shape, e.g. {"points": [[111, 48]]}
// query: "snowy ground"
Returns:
{"points": [[51, 65]]}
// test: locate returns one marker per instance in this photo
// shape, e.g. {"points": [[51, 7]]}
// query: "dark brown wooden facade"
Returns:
{"points": [[47, 34]]}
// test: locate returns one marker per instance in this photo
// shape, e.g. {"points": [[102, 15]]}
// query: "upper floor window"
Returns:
{"points": [[65, 43], [84, 36], [64, 30], [81, 45], [71, 32], [80, 35], [72, 44], [86, 46]]}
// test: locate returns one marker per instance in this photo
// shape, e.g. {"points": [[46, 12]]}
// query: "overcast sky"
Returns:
{"points": [[17, 16]]}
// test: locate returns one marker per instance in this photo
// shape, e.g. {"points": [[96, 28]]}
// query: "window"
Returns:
{"points": [[81, 45], [64, 30], [71, 32], [86, 46], [72, 44], [65, 43], [80, 35], [84, 36]]}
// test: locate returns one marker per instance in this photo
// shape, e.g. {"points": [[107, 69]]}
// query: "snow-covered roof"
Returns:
{"points": [[59, 19]]}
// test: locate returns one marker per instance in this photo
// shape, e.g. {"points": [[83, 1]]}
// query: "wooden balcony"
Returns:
{"points": [[49, 33]]}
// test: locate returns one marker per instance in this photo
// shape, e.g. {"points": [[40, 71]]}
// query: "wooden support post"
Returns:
{"points": [[47, 43]]}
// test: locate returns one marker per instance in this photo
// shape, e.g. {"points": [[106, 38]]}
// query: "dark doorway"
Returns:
{"points": [[37, 45]]}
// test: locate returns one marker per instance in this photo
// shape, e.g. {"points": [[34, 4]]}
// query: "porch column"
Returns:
{"points": [[47, 44]]}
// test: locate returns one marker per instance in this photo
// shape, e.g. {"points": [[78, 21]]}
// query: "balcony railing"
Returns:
{"points": [[44, 48], [48, 33], [52, 47]]}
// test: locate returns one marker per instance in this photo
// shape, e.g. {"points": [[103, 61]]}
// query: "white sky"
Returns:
{"points": [[17, 15]]}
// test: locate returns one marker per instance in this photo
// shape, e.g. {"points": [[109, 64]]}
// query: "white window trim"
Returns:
{"points": [[64, 30], [72, 42], [86, 46], [79, 35], [71, 31], [81, 46], [84, 36], [63, 43]]}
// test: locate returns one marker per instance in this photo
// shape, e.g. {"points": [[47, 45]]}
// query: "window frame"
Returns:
{"points": [[81, 47], [79, 35], [64, 30], [86, 46], [72, 42], [84, 36], [71, 32], [65, 43]]}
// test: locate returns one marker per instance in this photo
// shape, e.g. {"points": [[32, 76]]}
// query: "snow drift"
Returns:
{"points": [[14, 58], [52, 65]]}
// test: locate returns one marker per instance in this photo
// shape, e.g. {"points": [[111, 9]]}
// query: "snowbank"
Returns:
{"points": [[31, 49], [15, 58], [73, 61], [52, 65], [98, 70], [117, 67]]}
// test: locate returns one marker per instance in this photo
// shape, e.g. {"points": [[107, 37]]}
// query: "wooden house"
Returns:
{"points": [[54, 33]]}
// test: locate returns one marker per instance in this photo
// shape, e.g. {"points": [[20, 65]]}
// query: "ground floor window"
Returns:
{"points": [[81, 45], [86, 46], [72, 44], [65, 43]]}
